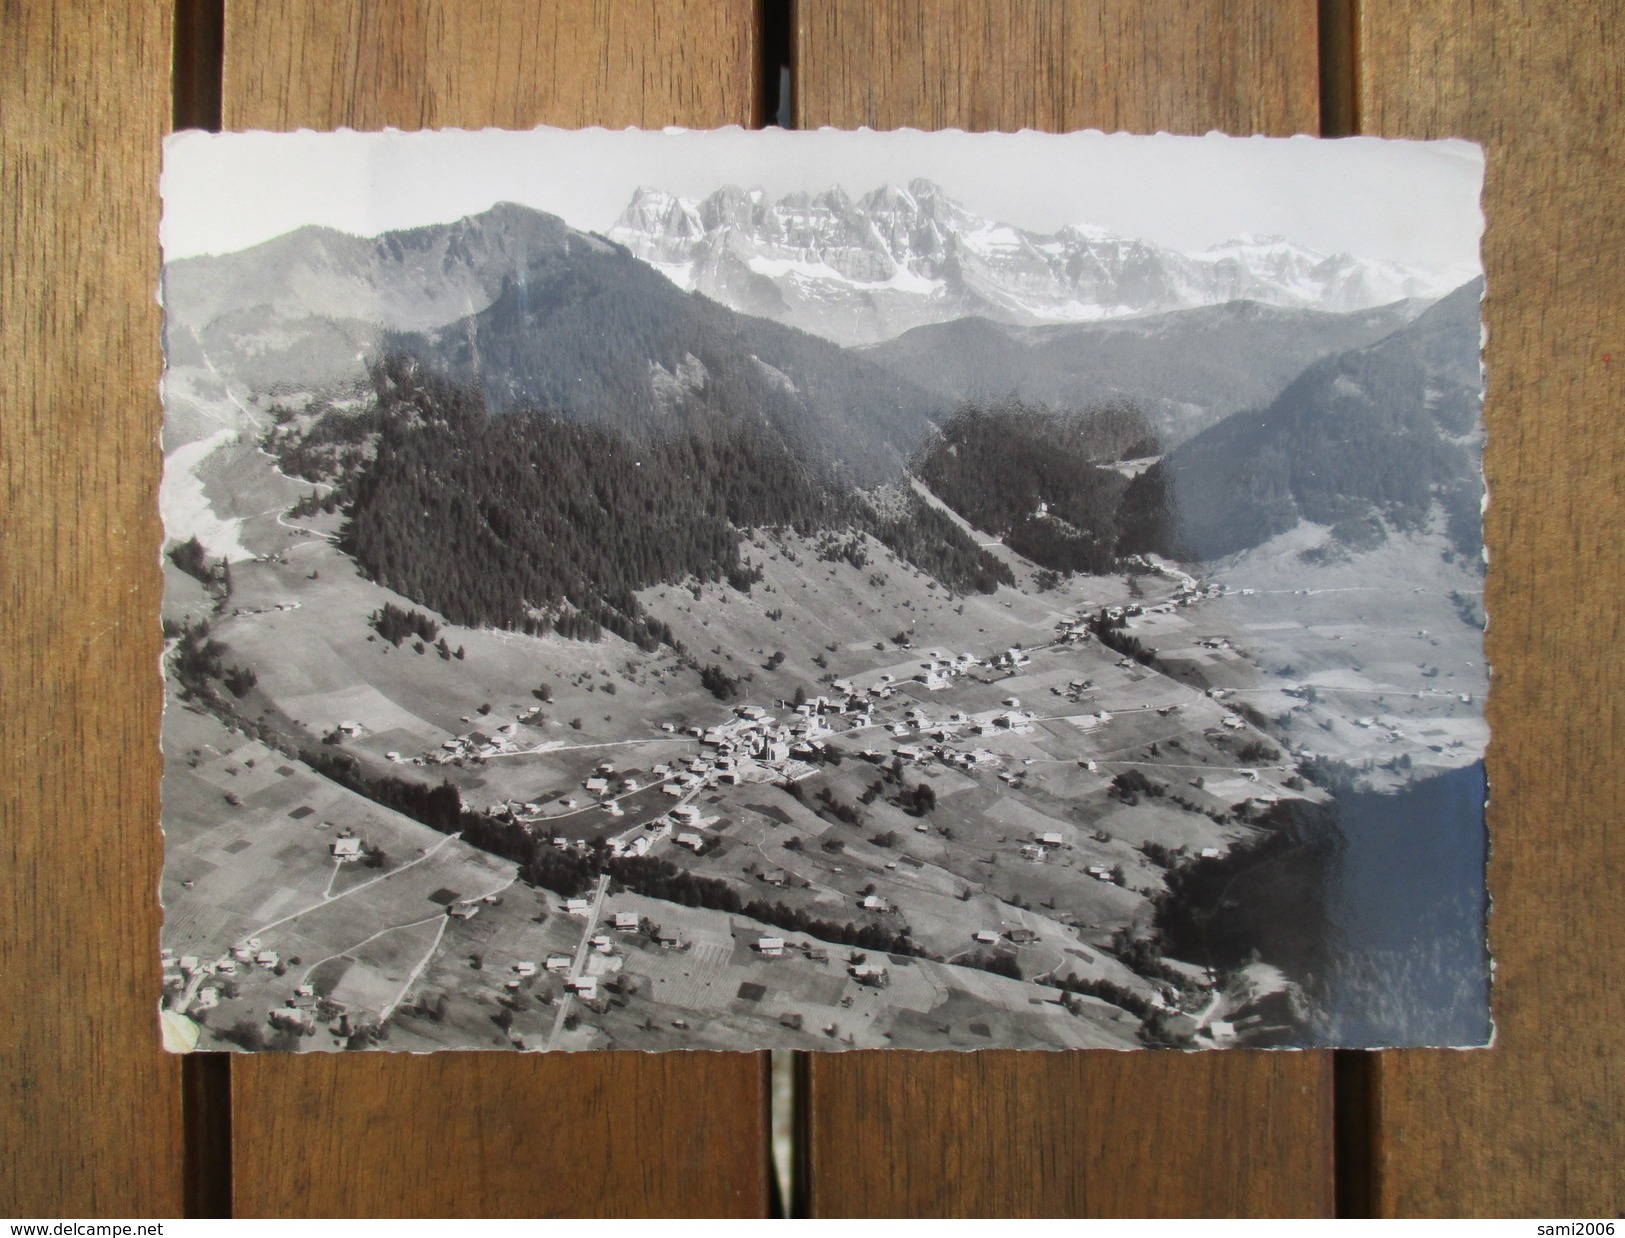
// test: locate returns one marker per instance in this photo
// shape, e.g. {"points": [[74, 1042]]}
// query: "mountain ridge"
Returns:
{"points": [[1384, 436], [863, 270]]}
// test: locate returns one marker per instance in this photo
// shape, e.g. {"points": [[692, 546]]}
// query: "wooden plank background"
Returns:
{"points": [[620, 1134], [1538, 1124], [1065, 1134], [86, 98], [1535, 1126]]}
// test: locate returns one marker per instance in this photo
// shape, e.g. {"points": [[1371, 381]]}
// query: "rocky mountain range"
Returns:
{"points": [[862, 270]]}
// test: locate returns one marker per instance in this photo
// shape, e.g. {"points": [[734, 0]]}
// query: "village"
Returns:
{"points": [[943, 820], [1001, 787]]}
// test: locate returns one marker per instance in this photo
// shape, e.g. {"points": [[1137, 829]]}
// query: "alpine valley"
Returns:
{"points": [[810, 623]]}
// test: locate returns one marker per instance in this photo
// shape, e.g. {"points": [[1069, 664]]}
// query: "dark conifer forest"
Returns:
{"points": [[530, 521], [1037, 479]]}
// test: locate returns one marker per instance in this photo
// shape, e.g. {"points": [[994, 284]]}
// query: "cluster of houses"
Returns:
{"points": [[476, 744], [188, 972], [249, 954], [1010, 720], [754, 736]]}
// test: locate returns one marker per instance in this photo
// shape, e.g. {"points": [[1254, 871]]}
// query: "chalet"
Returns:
{"points": [[577, 906], [776, 877], [694, 842], [672, 789], [770, 947], [596, 786], [873, 902], [752, 713], [584, 987], [1051, 838], [987, 937], [226, 967], [629, 785], [524, 969], [267, 959], [464, 911], [626, 921], [558, 963], [870, 974], [1021, 936], [305, 990], [602, 944], [207, 999], [686, 814], [346, 849]]}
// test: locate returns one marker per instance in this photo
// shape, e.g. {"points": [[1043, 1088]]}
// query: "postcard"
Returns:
{"points": [[822, 590]]}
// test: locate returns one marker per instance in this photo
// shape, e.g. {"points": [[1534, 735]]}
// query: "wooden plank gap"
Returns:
{"points": [[206, 1123], [800, 1202], [1339, 53], [775, 64], [198, 64], [1353, 1077]]}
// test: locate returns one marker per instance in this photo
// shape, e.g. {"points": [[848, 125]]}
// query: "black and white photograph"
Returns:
{"points": [[822, 590]]}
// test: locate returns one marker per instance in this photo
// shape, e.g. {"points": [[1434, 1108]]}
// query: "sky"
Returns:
{"points": [[1410, 202]]}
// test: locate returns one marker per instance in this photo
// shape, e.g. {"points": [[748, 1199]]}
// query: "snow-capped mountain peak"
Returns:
{"points": [[900, 256]]}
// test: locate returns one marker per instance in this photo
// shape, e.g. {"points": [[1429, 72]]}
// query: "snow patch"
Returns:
{"points": [[185, 509]]}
